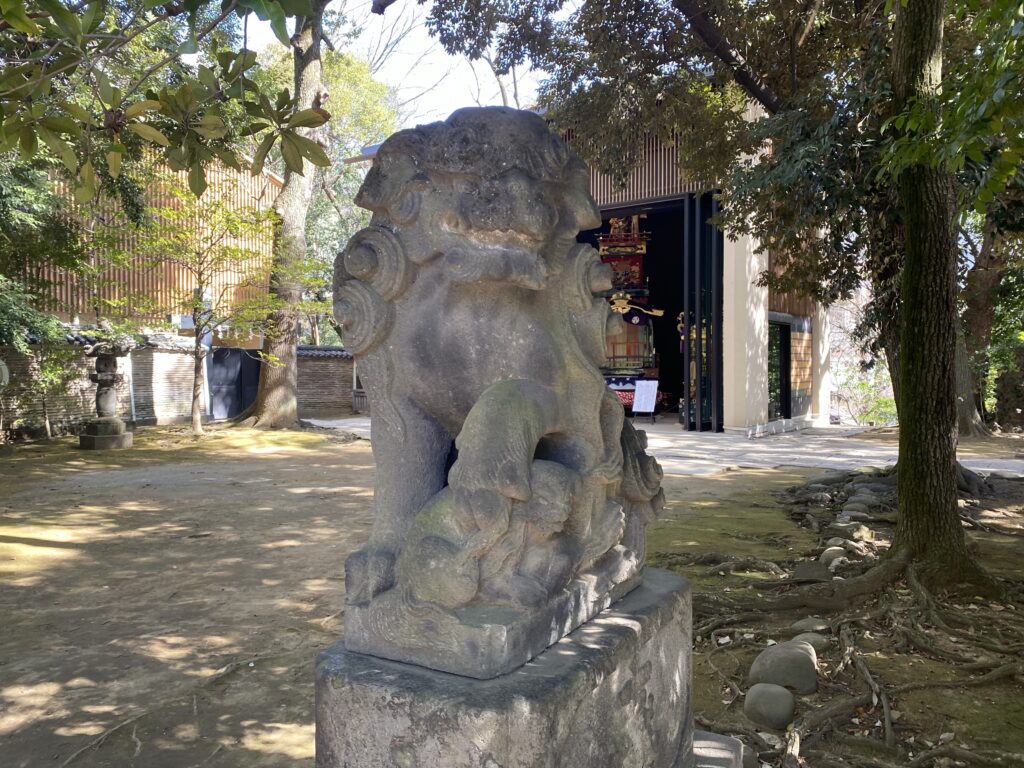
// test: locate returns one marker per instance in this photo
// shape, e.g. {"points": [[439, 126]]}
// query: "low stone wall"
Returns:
{"points": [[161, 381], [22, 410]]}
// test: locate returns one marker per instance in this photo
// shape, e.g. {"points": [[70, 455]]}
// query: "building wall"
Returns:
{"points": [[23, 411], [656, 178], [744, 337], [163, 386], [325, 386], [137, 287]]}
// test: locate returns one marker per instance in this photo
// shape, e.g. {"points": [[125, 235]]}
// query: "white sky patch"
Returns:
{"points": [[429, 83]]}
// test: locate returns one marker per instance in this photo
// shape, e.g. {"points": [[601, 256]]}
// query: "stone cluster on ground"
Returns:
{"points": [[784, 670]]}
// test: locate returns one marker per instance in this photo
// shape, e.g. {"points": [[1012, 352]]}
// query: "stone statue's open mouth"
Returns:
{"points": [[505, 261]]}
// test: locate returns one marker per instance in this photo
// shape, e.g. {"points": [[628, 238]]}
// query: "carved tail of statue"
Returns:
{"points": [[512, 495]]}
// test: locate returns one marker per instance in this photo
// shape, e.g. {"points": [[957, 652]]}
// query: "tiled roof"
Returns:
{"points": [[308, 350]]}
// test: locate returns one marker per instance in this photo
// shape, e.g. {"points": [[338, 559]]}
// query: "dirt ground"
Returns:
{"points": [[163, 606]]}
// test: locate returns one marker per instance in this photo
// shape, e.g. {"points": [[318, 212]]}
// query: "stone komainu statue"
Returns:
{"points": [[511, 495]]}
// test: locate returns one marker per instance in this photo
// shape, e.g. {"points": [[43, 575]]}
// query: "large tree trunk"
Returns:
{"points": [[928, 525], [277, 397]]}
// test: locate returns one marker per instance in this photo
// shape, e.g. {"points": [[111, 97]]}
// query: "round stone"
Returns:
{"points": [[792, 665], [771, 706], [811, 624], [819, 643], [830, 554]]}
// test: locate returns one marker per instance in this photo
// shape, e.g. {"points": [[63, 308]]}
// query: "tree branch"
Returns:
{"points": [[725, 51]]}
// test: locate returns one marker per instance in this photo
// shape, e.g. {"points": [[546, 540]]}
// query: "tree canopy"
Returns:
{"points": [[93, 82]]}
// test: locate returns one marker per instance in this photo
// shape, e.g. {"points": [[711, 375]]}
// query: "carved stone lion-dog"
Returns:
{"points": [[511, 495]]}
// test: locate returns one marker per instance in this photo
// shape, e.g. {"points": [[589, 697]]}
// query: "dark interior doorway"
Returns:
{"points": [[683, 271], [779, 401]]}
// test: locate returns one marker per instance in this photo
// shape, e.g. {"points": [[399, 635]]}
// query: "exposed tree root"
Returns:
{"points": [[983, 759]]}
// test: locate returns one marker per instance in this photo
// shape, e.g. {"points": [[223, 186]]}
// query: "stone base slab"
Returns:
{"points": [[613, 693], [486, 641], [711, 750], [105, 442]]}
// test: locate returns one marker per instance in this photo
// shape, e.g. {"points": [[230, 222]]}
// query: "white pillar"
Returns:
{"points": [[744, 337], [821, 367]]}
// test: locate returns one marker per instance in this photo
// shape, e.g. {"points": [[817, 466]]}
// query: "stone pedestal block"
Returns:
{"points": [[613, 693], [105, 433], [105, 442]]}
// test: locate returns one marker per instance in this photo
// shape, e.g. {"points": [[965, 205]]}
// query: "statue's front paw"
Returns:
{"points": [[368, 572], [482, 512], [504, 475]]}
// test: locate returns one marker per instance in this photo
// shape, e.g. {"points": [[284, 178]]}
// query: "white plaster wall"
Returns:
{"points": [[744, 336]]}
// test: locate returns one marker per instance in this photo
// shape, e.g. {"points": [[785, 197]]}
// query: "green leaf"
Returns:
{"points": [[291, 153], [149, 133], [60, 148], [279, 24], [114, 164], [261, 153], [93, 17], [66, 21], [28, 142], [296, 7], [104, 87], [311, 150], [78, 113], [210, 127], [197, 180], [13, 12], [308, 118], [208, 78], [136, 109]]}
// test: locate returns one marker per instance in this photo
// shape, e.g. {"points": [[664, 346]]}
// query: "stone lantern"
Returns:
{"points": [[107, 430]]}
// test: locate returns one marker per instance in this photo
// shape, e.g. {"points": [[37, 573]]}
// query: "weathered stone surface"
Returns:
{"points": [[769, 705], [105, 442], [790, 664], [851, 530], [830, 554], [810, 571], [613, 693], [713, 751], [810, 624], [110, 425], [819, 643], [512, 496]]}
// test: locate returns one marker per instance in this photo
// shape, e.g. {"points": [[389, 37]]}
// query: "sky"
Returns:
{"points": [[429, 83]]}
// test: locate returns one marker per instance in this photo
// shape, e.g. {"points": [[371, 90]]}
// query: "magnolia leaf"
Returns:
{"points": [[136, 109], [311, 150], [28, 143], [149, 133], [103, 86], [93, 17], [78, 113], [308, 118], [197, 180], [291, 153], [66, 21], [296, 7], [60, 148], [261, 153], [13, 12], [114, 164]]}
